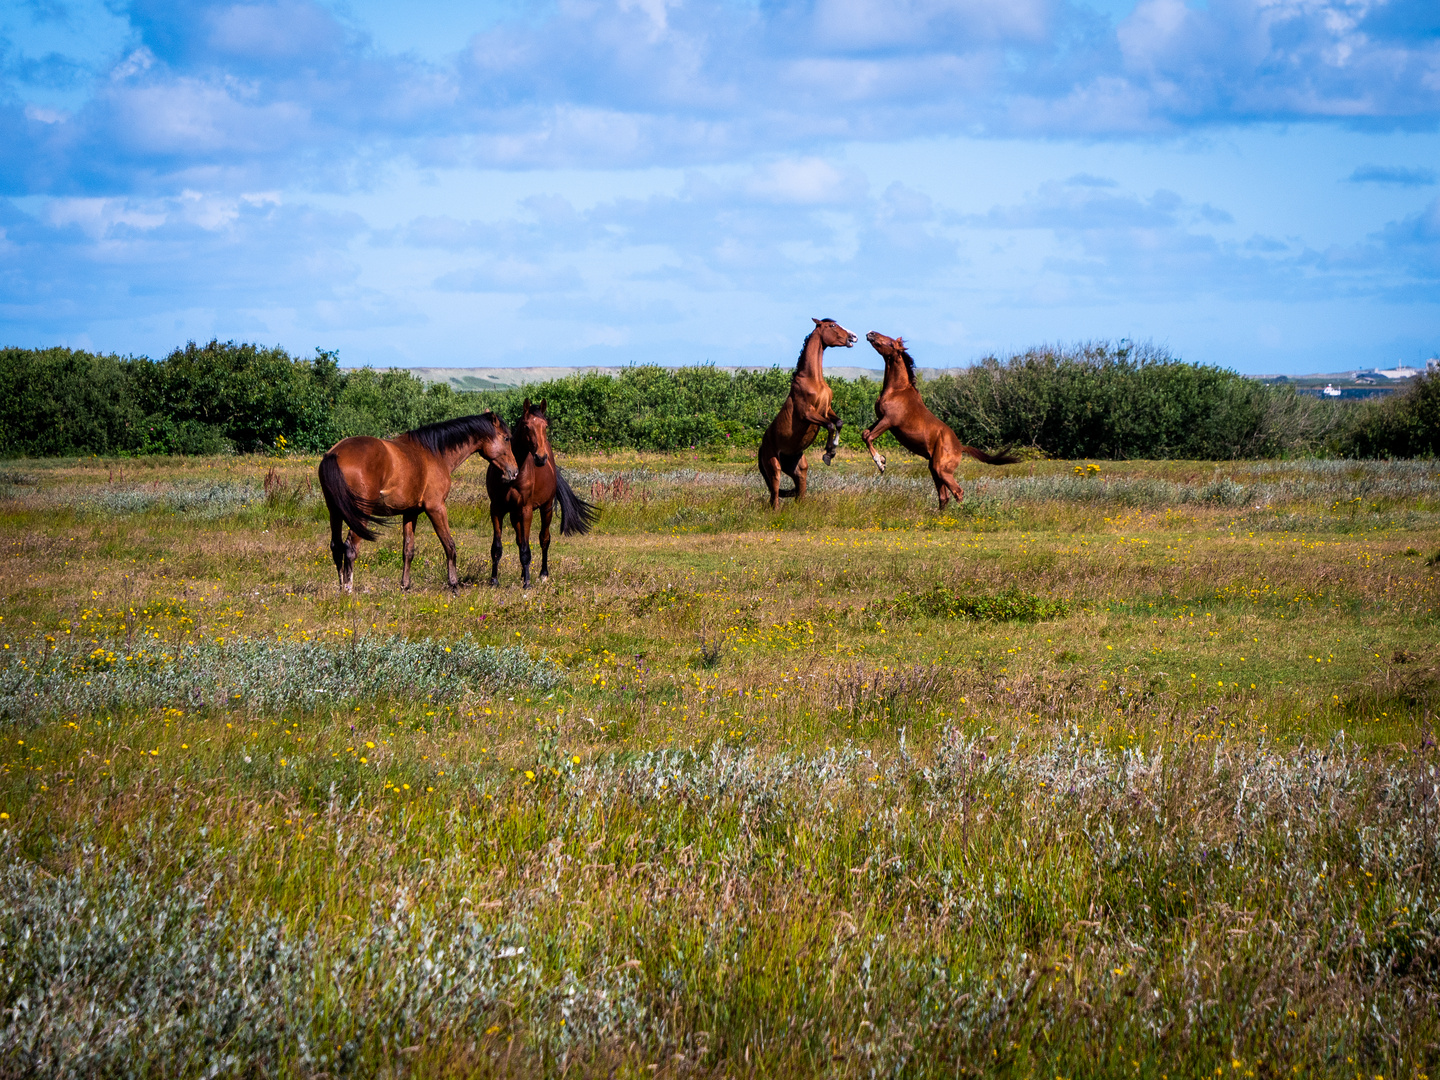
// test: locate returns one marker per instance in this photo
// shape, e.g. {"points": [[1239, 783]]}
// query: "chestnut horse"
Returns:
{"points": [[537, 486], [805, 412], [367, 480], [916, 428]]}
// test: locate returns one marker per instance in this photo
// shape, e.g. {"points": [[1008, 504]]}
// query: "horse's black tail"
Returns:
{"points": [[576, 515], [358, 513], [1002, 458]]}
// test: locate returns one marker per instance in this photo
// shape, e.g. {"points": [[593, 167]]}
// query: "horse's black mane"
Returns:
{"points": [[800, 361], [909, 364], [445, 436]]}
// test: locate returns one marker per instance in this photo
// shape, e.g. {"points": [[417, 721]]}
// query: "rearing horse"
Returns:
{"points": [[537, 485], [805, 412], [366, 480], [901, 409]]}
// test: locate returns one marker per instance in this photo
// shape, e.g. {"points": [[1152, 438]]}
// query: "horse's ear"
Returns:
{"points": [[541, 409], [527, 405], [815, 321], [900, 343]]}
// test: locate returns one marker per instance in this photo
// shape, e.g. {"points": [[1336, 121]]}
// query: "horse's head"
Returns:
{"points": [[892, 349], [886, 347], [833, 335], [537, 430], [496, 448]]}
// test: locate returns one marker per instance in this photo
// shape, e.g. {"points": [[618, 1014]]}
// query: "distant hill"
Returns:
{"points": [[506, 378]]}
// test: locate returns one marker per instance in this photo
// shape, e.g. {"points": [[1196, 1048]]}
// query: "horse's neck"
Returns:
{"points": [[897, 375], [812, 357], [523, 447], [456, 457]]}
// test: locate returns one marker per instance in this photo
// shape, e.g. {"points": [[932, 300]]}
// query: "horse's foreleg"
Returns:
{"points": [[495, 548], [879, 428], [407, 546], [441, 520], [522, 518], [832, 443], [546, 512]]}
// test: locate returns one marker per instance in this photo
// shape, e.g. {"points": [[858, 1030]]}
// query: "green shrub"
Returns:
{"points": [[1126, 401], [1403, 425], [253, 396], [1095, 401], [64, 401], [382, 403]]}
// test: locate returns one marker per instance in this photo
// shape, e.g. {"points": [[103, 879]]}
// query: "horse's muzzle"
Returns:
{"points": [[852, 341], [540, 459], [509, 475]]}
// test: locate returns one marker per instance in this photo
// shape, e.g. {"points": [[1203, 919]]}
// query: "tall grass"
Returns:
{"points": [[1108, 774], [1024, 909]]}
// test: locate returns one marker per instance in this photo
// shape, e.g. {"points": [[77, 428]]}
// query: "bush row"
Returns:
{"points": [[1097, 400]]}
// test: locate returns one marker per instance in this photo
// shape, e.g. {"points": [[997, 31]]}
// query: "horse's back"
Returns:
{"points": [[387, 472]]}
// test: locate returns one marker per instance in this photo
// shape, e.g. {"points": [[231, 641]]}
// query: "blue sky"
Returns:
{"points": [[1252, 183]]}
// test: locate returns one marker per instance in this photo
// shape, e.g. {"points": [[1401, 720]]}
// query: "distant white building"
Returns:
{"points": [[1401, 371]]}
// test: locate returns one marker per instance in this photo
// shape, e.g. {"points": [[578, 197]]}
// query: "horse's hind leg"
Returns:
{"points": [[338, 548], [798, 469], [408, 545], [495, 548], [770, 471], [945, 486], [347, 571], [546, 512]]}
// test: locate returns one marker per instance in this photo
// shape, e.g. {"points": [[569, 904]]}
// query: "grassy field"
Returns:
{"points": [[1119, 769]]}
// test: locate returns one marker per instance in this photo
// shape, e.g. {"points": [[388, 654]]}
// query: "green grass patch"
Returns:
{"points": [[1012, 605]]}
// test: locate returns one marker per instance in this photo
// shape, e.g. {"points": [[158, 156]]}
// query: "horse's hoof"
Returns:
{"points": [[827, 458]]}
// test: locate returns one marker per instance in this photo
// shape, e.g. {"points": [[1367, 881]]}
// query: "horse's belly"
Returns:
{"points": [[916, 446]]}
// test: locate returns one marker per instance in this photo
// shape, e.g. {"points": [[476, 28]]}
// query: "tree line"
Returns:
{"points": [[1098, 400]]}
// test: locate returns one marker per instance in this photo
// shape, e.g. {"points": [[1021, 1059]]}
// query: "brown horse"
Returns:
{"points": [[537, 486], [805, 412], [367, 480], [916, 428]]}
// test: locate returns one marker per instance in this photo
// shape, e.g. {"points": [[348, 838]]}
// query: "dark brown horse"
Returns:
{"points": [[805, 412], [901, 410], [367, 480], [537, 486]]}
